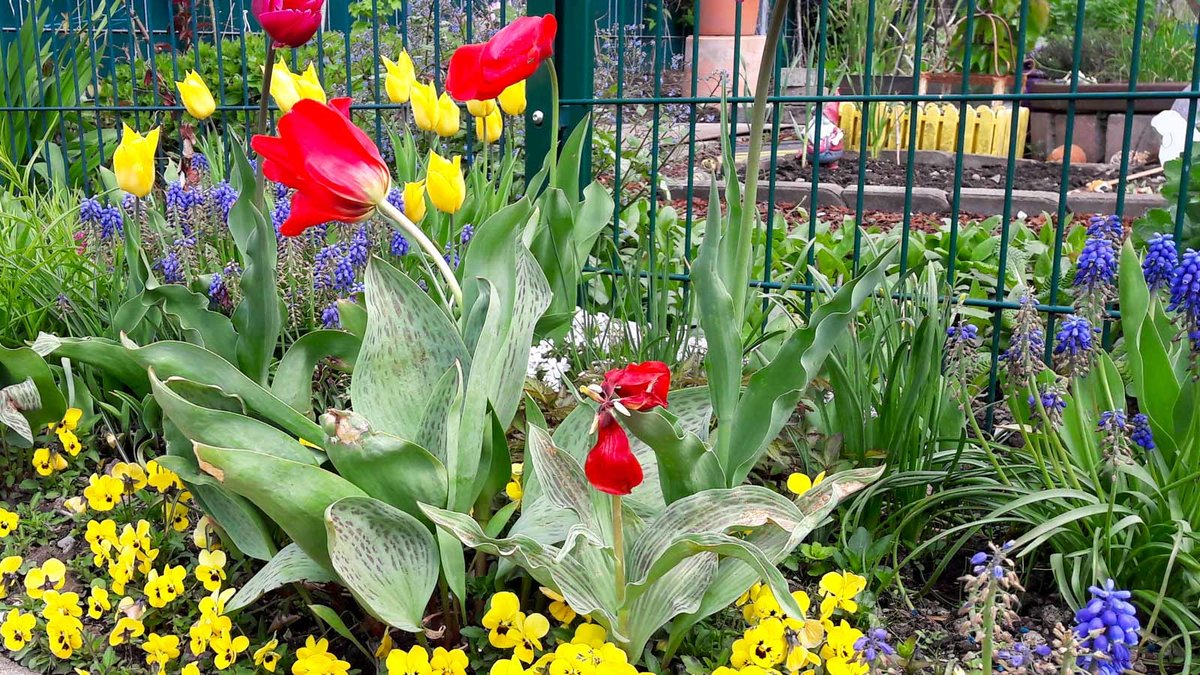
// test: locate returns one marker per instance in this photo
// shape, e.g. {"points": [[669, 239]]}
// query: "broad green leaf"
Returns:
{"points": [[408, 346], [293, 381], [464, 454], [686, 465], [498, 463], [388, 468], [292, 494], [353, 317], [386, 557], [226, 429], [259, 316], [587, 587], [566, 178], [677, 591], [106, 355], [564, 484], [773, 392], [437, 423], [334, 621], [21, 364], [17, 400], [190, 362], [1135, 302], [210, 330], [288, 566]]}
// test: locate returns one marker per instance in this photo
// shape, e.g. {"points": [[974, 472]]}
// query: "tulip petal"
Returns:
{"points": [[611, 466]]}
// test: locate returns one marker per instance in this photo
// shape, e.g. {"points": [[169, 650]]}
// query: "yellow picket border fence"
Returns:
{"points": [[987, 132]]}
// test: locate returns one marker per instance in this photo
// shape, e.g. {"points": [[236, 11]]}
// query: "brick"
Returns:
{"points": [[990, 201], [891, 199], [1143, 138]]}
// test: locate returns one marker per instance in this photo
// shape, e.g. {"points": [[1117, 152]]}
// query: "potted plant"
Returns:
{"points": [[719, 17], [993, 38]]}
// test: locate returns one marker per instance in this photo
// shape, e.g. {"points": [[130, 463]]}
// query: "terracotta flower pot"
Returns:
{"points": [[719, 17]]}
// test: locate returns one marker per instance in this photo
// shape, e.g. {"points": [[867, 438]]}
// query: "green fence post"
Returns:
{"points": [[574, 60]]}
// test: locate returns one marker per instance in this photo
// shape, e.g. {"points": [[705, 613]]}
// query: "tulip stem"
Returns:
{"points": [[263, 104], [619, 559], [554, 98], [410, 229]]}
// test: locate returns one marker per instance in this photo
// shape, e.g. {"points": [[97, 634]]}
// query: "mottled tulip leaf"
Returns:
{"points": [[288, 566]]}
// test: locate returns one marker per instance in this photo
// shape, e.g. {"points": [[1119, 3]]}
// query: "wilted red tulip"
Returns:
{"points": [[333, 165], [611, 466], [290, 23], [482, 71]]}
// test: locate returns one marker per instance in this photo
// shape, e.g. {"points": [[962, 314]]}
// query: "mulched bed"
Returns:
{"points": [[1044, 176]]}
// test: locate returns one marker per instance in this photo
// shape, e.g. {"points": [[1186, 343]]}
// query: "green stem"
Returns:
{"points": [[989, 625], [554, 99], [987, 446], [758, 116], [263, 103], [431, 250], [619, 558]]}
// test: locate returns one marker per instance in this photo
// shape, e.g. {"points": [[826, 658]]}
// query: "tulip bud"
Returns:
{"points": [[481, 108], [449, 117], [290, 23], [445, 183], [489, 128], [414, 201], [133, 161], [425, 106], [196, 97], [400, 78], [512, 99], [283, 87]]}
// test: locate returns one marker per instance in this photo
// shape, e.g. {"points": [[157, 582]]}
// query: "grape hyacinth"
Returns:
{"points": [[1108, 626], [1023, 358], [873, 646], [90, 211], [330, 317], [1160, 262], [281, 211], [1095, 276], [111, 223], [398, 245], [1052, 401], [200, 163], [1140, 432], [468, 232], [323, 265], [223, 196], [218, 291], [1108, 227], [963, 332], [992, 589], [1074, 344], [360, 247], [171, 268], [1185, 298], [343, 280], [1113, 425], [395, 197]]}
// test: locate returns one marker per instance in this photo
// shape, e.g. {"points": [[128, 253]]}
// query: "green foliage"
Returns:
{"points": [[995, 34]]}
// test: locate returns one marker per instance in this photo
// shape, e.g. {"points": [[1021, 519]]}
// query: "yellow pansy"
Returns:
{"points": [[196, 97], [414, 201], [98, 602], [75, 505], [424, 100], [190, 669], [10, 568], [559, 609], [839, 590], [126, 630], [176, 515], [800, 483], [839, 653], [764, 645], [590, 634], [132, 476], [448, 662], [133, 161], [512, 99], [226, 649], [8, 522], [505, 667], [400, 77], [161, 650], [47, 461], [17, 629], [449, 119], [514, 491], [266, 656], [413, 662], [49, 577], [445, 183], [65, 634], [161, 478], [314, 659], [501, 620], [481, 108], [488, 129], [103, 493], [211, 569], [532, 629]]}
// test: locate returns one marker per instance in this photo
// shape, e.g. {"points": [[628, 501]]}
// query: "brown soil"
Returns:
{"points": [[1045, 176]]}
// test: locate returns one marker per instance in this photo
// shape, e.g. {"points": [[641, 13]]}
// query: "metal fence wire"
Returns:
{"points": [[927, 82]]}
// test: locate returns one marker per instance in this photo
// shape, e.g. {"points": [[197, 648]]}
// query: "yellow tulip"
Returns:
{"points": [[512, 99], [414, 201], [133, 161], [489, 128], [283, 87], [481, 108], [309, 86], [400, 77], [196, 97], [449, 117], [425, 106], [445, 182]]}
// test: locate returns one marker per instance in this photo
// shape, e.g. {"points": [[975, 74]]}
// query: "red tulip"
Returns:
{"points": [[479, 72], [333, 165], [611, 466], [290, 23]]}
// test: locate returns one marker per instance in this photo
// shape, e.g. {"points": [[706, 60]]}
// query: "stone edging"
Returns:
{"points": [[979, 201], [9, 668]]}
